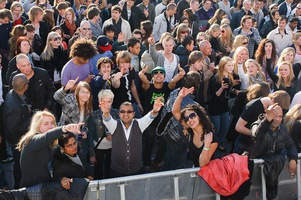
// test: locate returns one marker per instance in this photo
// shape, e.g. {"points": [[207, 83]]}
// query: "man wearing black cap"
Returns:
{"points": [[151, 91]]}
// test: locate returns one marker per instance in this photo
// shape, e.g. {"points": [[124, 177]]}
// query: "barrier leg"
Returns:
{"points": [[299, 179], [264, 191], [176, 186], [122, 191], [217, 196]]}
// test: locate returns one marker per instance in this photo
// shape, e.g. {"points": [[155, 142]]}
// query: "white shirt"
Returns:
{"points": [[170, 68]]}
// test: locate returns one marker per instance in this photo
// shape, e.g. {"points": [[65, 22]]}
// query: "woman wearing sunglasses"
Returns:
{"points": [[54, 57], [202, 143]]}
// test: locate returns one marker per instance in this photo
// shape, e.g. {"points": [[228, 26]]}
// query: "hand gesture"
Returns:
{"points": [[225, 85], [271, 112], [157, 105], [118, 75], [66, 183], [181, 71], [185, 91], [74, 128], [208, 139], [106, 76], [151, 40], [121, 37], [146, 12], [105, 108], [141, 74], [71, 84]]}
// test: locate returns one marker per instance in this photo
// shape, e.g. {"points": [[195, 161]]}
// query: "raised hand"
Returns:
{"points": [[151, 40], [121, 37], [74, 128], [105, 108], [157, 105], [208, 139], [141, 74], [106, 76], [71, 84], [271, 112], [146, 12], [185, 91], [181, 71], [118, 75]]}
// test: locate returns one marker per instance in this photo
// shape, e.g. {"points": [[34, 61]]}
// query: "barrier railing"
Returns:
{"points": [[185, 184]]}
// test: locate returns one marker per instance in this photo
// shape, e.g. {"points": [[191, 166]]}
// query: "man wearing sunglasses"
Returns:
{"points": [[127, 132]]}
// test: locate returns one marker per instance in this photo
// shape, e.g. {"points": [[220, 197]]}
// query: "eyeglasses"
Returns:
{"points": [[223, 31], [158, 72], [191, 116], [126, 111], [71, 145], [199, 40], [87, 29], [184, 32], [245, 43], [56, 38]]}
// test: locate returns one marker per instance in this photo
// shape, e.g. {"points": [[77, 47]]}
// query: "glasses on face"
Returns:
{"points": [[199, 40], [158, 72], [245, 43], [184, 32], [57, 38], [87, 29], [126, 111], [71, 145], [190, 116], [223, 31]]}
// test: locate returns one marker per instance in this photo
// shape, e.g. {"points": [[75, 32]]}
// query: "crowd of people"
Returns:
{"points": [[138, 86]]}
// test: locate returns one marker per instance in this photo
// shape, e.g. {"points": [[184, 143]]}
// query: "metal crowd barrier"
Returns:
{"points": [[185, 184]]}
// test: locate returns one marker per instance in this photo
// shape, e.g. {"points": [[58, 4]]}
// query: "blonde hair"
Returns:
{"points": [[238, 40], [228, 41], [16, 4], [48, 51], [34, 129], [213, 28], [284, 52], [222, 63], [291, 76], [235, 56], [293, 115], [258, 68]]}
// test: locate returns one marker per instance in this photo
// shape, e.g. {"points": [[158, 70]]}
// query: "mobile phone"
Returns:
{"points": [[226, 80]]}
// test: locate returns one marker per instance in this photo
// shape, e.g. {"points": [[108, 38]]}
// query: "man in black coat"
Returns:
{"points": [[17, 118], [135, 16], [40, 86]]}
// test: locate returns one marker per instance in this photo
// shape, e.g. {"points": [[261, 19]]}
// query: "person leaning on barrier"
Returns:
{"points": [[271, 139], [127, 137]]}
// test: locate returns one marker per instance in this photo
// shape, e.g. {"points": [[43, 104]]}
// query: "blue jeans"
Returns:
{"points": [[221, 124]]}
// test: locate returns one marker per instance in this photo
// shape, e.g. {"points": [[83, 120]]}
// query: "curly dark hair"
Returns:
{"points": [[83, 49], [203, 118], [260, 52]]}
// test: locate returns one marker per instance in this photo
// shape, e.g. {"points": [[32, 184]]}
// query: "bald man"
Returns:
{"points": [[17, 118], [272, 140]]}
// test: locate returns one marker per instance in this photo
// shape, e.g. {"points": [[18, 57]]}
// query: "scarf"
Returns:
{"points": [[71, 27]]}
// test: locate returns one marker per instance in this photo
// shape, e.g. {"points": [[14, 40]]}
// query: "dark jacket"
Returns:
{"points": [[57, 62], [44, 30], [183, 54], [64, 167], [151, 11], [16, 117], [267, 27], [282, 8], [40, 89], [235, 22], [136, 17]]}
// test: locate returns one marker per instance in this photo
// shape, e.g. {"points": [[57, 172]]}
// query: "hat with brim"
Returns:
{"points": [[158, 68], [103, 42]]}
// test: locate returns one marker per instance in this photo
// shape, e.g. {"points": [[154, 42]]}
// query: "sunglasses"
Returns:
{"points": [[184, 32], [245, 43], [126, 111], [223, 31], [191, 116], [158, 72], [87, 29], [56, 38]]}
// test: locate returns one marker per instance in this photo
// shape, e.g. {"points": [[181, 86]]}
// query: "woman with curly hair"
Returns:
{"points": [[202, 143], [266, 50]]}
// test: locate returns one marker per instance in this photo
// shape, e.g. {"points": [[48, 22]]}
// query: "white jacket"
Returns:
{"points": [[160, 26]]}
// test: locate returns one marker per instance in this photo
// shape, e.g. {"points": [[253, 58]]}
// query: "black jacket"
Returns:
{"points": [[183, 54], [136, 17], [267, 27], [40, 89], [235, 22], [16, 117], [44, 30], [64, 167]]}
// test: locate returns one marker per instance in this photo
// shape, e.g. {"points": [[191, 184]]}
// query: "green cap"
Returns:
{"points": [[158, 68]]}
